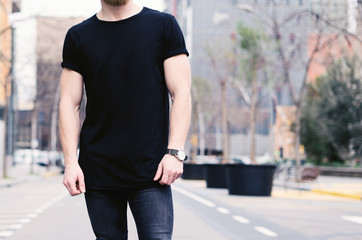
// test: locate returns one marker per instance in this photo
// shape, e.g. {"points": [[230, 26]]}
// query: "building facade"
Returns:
{"points": [[336, 18], [5, 68], [40, 29], [5, 52]]}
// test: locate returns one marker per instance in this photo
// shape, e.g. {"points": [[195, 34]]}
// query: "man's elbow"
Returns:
{"points": [[182, 93], [65, 105]]}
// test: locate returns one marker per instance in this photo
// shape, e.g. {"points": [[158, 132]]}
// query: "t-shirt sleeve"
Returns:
{"points": [[70, 54], [174, 39]]}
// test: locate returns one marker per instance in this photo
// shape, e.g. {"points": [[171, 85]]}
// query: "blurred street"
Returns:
{"points": [[273, 83], [40, 208]]}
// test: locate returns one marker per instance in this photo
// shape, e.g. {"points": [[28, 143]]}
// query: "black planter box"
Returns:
{"points": [[251, 180], [215, 175], [193, 171]]}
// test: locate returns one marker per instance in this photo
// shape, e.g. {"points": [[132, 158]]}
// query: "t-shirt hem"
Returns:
{"points": [[71, 67], [122, 187], [177, 52]]}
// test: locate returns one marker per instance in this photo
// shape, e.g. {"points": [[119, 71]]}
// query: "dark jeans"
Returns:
{"points": [[151, 207]]}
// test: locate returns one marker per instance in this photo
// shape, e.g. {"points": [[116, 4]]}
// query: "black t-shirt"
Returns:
{"points": [[125, 133]]}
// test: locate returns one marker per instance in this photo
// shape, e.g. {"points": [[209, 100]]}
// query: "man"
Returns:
{"points": [[131, 149]]}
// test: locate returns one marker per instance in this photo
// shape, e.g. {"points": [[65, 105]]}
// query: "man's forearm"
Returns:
{"points": [[180, 120], [69, 130]]}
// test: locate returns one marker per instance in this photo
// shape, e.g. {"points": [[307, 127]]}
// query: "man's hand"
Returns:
{"points": [[170, 168], [74, 179]]}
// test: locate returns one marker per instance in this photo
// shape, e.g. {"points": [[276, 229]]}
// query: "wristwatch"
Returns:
{"points": [[179, 154]]}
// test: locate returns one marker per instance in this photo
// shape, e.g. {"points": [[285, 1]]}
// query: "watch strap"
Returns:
{"points": [[174, 152]]}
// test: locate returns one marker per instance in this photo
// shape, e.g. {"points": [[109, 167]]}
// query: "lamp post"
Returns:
{"points": [[9, 114]]}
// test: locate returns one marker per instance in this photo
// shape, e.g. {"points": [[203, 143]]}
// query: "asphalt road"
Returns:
{"points": [[42, 210]]}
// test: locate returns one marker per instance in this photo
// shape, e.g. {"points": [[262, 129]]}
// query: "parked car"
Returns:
{"points": [[42, 158]]}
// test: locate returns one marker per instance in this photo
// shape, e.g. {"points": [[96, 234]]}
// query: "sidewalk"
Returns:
{"points": [[21, 173], [327, 185]]}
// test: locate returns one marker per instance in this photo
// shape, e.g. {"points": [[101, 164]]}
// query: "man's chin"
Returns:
{"points": [[116, 3]]}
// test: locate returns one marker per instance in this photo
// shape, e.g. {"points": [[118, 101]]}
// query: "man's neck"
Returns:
{"points": [[111, 13]]}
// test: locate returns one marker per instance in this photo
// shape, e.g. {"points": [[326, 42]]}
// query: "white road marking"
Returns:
{"points": [[266, 231], [222, 210], [6, 233], [355, 219], [194, 196], [32, 215], [15, 226], [39, 210], [45, 207], [241, 219], [24, 220], [11, 216]]}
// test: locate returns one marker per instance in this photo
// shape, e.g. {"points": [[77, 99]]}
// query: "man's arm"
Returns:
{"points": [[71, 92], [178, 80]]}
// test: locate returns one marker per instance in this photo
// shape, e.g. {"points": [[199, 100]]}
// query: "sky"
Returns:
{"points": [[73, 7]]}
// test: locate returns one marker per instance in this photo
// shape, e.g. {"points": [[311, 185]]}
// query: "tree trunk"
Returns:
{"points": [[53, 124], [297, 139], [201, 120], [194, 136], [225, 143], [5, 172], [253, 118], [34, 137]]}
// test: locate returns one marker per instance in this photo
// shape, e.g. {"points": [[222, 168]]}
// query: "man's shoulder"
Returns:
{"points": [[157, 15], [83, 25]]}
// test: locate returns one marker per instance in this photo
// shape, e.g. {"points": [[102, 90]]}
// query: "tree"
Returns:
{"points": [[200, 99], [223, 65], [316, 146], [295, 53], [251, 42], [335, 109]]}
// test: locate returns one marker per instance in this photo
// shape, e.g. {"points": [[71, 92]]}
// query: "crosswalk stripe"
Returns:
{"points": [[24, 220], [15, 226], [15, 214], [6, 233]]}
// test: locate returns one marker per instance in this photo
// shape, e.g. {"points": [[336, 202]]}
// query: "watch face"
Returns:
{"points": [[181, 155]]}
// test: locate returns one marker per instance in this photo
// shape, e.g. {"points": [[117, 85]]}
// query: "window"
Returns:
{"points": [[41, 118], [16, 6], [300, 2], [292, 38], [2, 110]]}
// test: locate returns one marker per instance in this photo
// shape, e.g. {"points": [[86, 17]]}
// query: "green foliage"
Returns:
{"points": [[332, 106], [250, 38], [251, 42]]}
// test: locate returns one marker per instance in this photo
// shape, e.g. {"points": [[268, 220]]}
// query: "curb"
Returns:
{"points": [[51, 174], [26, 179], [337, 194], [10, 184], [321, 191]]}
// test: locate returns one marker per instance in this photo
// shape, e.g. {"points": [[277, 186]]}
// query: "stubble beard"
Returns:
{"points": [[116, 3]]}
